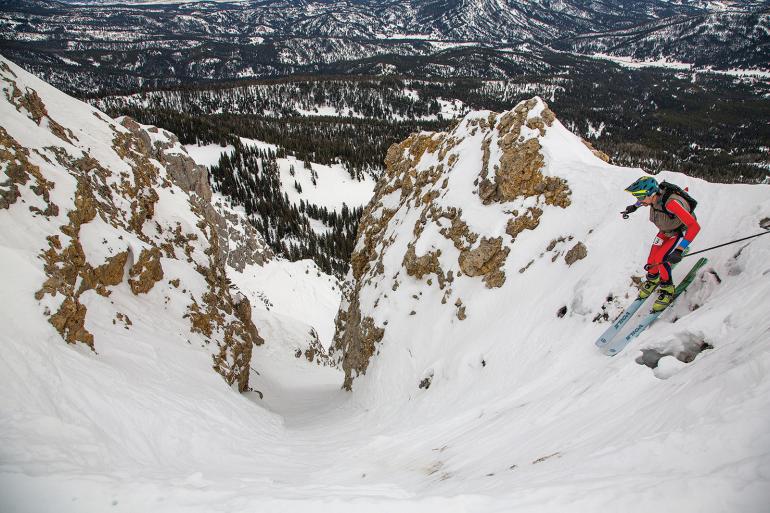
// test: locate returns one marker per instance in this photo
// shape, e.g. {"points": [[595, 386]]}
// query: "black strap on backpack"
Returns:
{"points": [[667, 189]]}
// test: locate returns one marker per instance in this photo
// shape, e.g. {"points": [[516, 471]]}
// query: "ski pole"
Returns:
{"points": [[726, 244]]}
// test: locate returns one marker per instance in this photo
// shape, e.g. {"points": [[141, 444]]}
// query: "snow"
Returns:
{"points": [[298, 290], [629, 62], [334, 186], [208, 155], [523, 413]]}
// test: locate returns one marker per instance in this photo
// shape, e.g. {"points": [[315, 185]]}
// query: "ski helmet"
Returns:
{"points": [[644, 187]]}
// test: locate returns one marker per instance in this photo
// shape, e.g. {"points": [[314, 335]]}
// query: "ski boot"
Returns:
{"points": [[649, 286], [664, 299]]}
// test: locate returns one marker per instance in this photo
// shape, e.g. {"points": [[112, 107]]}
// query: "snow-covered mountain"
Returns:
{"points": [[110, 230], [488, 262], [112, 47], [737, 39]]}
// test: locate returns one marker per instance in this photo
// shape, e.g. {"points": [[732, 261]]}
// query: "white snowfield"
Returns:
{"points": [[524, 414], [333, 188]]}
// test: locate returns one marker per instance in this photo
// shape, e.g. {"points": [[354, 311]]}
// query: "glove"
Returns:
{"points": [[629, 210], [675, 256]]}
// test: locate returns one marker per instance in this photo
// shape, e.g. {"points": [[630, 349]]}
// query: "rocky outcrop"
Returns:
{"points": [[486, 260], [19, 171], [240, 244], [577, 252], [434, 197], [518, 173], [146, 272], [117, 226], [597, 153], [356, 338]]}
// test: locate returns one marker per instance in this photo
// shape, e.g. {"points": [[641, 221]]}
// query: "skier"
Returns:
{"points": [[671, 211]]}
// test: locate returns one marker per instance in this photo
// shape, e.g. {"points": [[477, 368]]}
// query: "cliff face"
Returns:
{"points": [[116, 215], [450, 205]]}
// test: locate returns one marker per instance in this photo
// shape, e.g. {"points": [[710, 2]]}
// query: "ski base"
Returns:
{"points": [[617, 346], [621, 321]]}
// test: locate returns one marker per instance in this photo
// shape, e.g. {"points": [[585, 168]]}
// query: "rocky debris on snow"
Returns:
{"points": [[30, 103], [426, 381], [545, 458], [577, 252], [529, 220], [239, 242], [20, 171], [425, 264], [146, 271], [315, 352]]}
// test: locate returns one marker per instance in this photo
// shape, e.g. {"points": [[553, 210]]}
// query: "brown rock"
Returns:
{"points": [[425, 264], [69, 321], [578, 252], [356, 338], [486, 259], [598, 153], [529, 221], [111, 272], [146, 271]]}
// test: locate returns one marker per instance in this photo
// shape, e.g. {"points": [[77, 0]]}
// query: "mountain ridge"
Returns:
{"points": [[133, 46]]}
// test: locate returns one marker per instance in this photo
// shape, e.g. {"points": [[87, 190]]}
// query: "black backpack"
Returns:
{"points": [[667, 189]]}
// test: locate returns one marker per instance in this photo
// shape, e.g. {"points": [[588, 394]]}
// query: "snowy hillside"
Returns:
{"points": [[487, 265], [477, 395]]}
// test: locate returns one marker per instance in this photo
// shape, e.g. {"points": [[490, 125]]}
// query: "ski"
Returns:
{"points": [[620, 344], [621, 321]]}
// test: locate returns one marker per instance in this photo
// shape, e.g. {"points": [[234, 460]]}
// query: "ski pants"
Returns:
{"points": [[661, 246]]}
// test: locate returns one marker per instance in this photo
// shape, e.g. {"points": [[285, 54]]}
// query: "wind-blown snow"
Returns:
{"points": [[523, 413]]}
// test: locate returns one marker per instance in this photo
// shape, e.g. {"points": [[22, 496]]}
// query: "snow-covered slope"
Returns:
{"points": [[487, 265], [518, 411]]}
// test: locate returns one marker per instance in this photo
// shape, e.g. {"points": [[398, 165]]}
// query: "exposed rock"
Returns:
{"points": [[598, 153], [415, 186], [578, 252], [146, 271], [529, 221], [124, 196], [356, 338], [69, 321], [486, 260], [31, 102], [243, 314], [425, 264], [518, 174], [19, 171], [111, 272]]}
